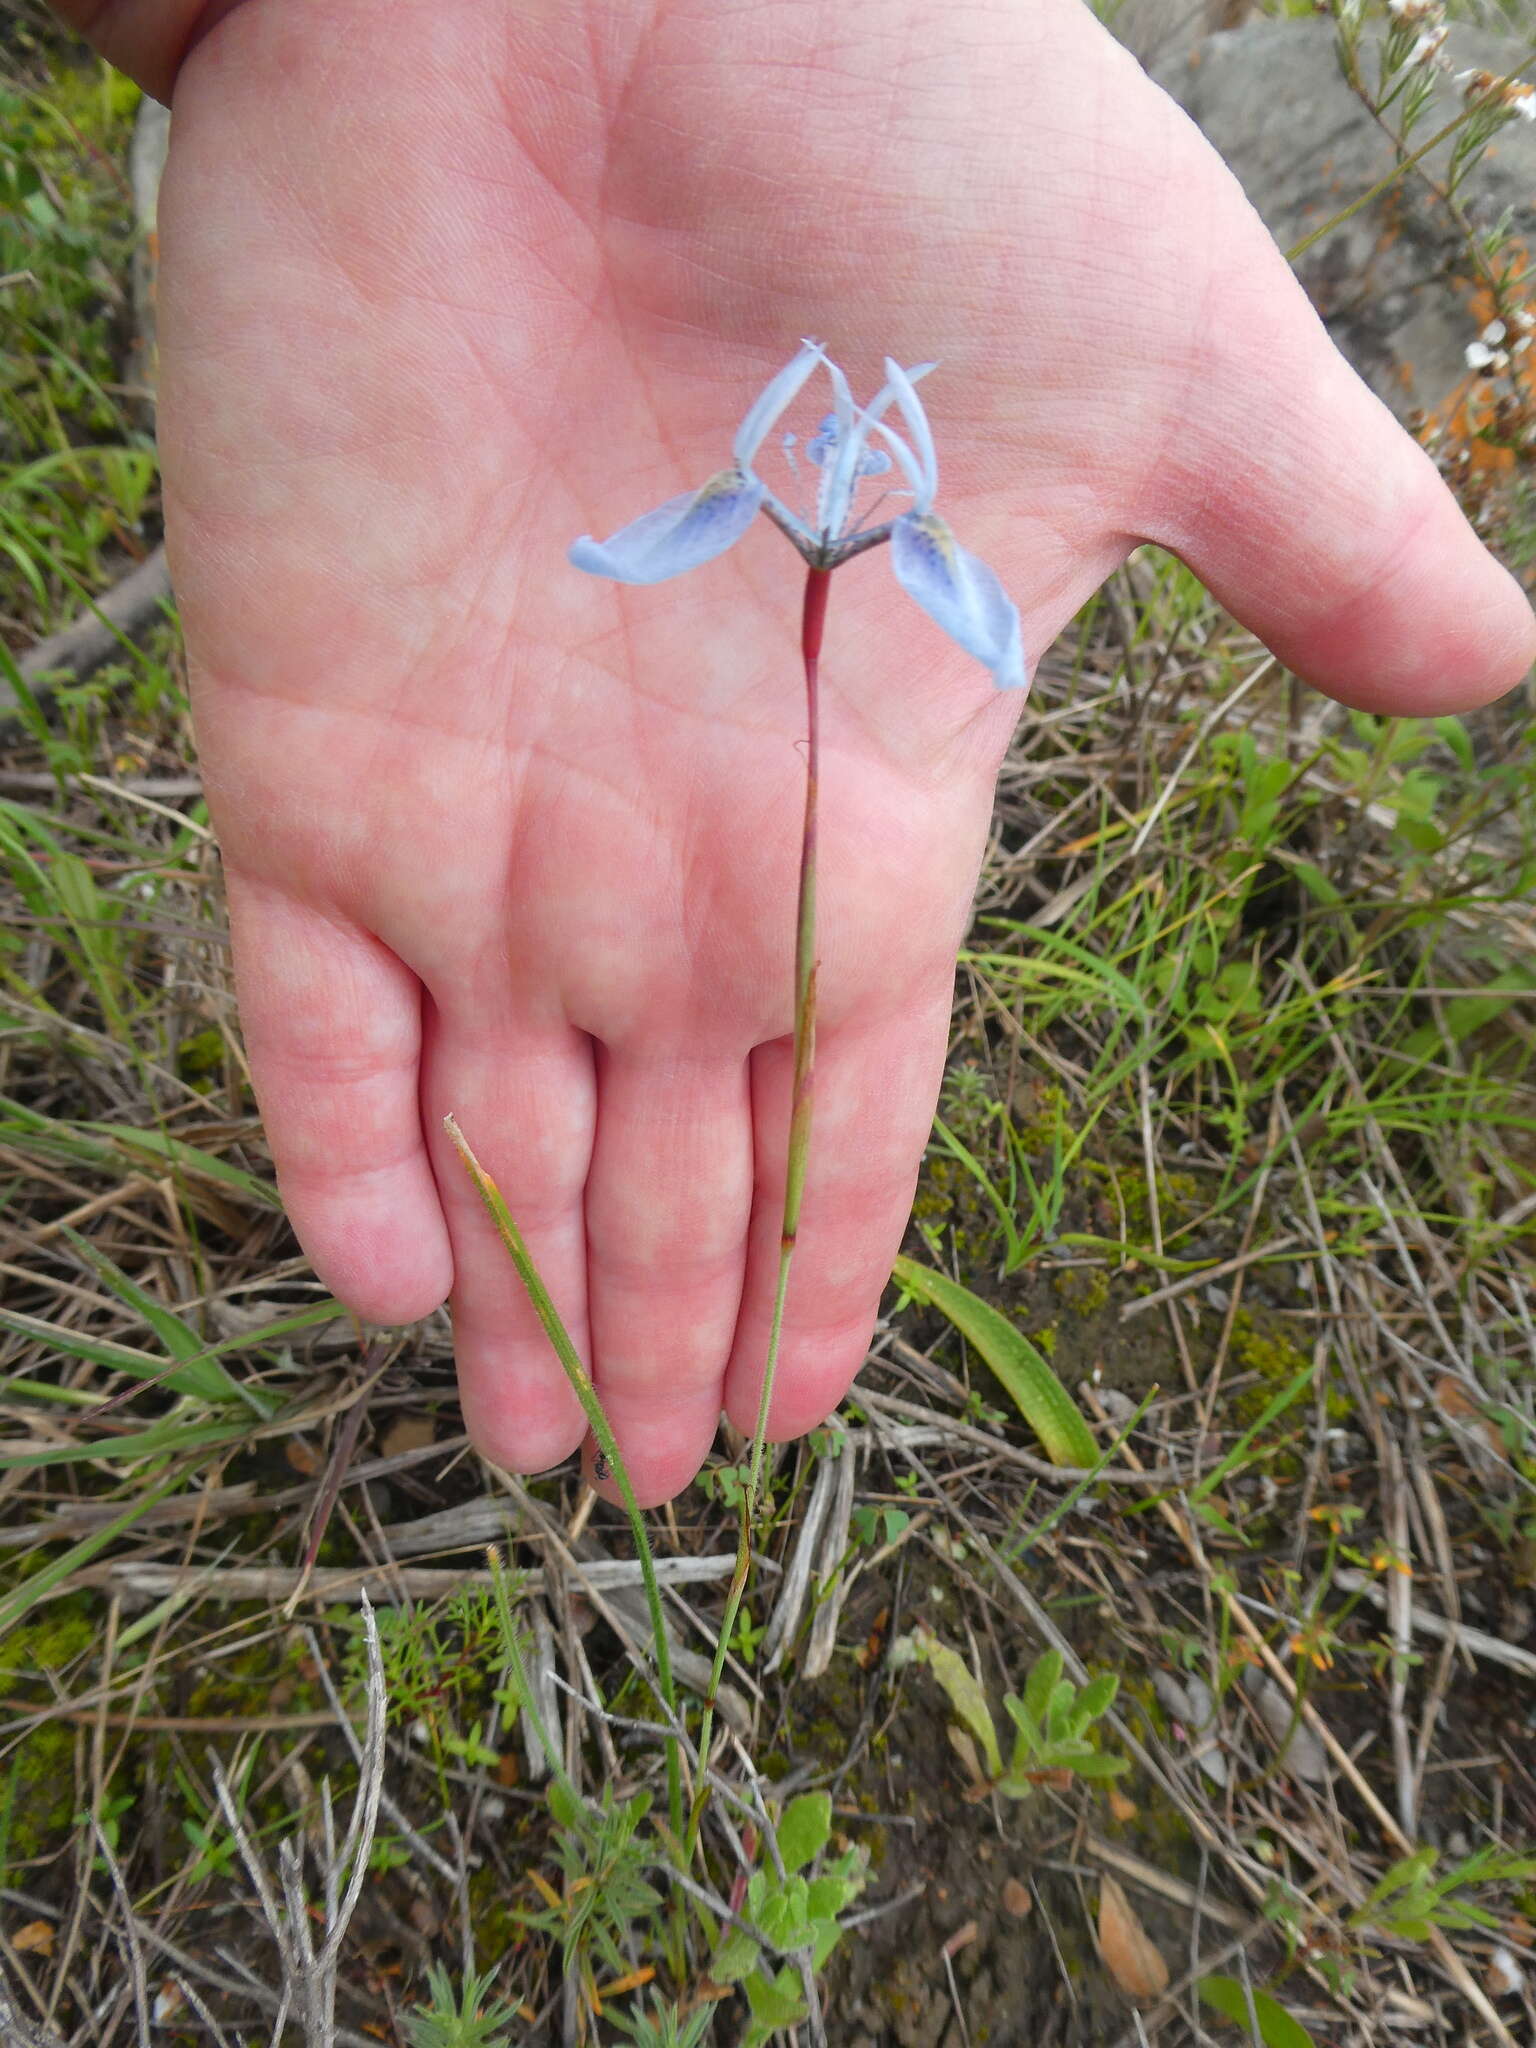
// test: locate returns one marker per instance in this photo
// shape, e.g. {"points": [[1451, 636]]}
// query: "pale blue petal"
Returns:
{"points": [[838, 478], [834, 494], [910, 466], [961, 594], [776, 396], [679, 535], [911, 409]]}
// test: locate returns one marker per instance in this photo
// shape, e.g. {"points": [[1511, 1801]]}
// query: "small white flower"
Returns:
{"points": [[1494, 333], [1414, 10], [1479, 355], [1525, 318], [1521, 100], [1428, 44]]}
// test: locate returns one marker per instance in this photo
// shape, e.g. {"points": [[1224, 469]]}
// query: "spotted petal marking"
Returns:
{"points": [[961, 594], [677, 536]]}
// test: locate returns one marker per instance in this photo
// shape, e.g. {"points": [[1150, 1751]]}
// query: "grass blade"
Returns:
{"points": [[1038, 1395]]}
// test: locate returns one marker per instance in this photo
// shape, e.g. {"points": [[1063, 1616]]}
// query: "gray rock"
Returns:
{"points": [[1389, 282]]}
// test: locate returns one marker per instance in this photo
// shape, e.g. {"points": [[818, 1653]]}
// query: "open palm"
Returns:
{"points": [[440, 295]]}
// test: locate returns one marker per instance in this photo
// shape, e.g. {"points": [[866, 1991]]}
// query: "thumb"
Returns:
{"points": [[1317, 521]]}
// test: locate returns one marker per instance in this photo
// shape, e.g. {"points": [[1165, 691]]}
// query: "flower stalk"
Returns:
{"points": [[962, 596], [818, 585]]}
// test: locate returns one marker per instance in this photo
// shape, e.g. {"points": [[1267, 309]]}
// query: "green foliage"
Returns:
{"points": [[1411, 1900], [468, 2018], [76, 475], [1052, 1722], [606, 1896], [663, 2026], [1042, 1400], [1276, 2028], [789, 1914], [871, 1525], [443, 1665]]}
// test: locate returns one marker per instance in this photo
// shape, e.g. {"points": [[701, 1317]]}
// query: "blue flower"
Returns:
{"points": [[953, 587]]}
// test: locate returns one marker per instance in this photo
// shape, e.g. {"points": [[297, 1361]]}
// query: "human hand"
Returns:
{"points": [[504, 841]]}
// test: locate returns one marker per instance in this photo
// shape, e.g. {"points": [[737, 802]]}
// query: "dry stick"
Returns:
{"points": [[1206, 1274], [1456, 1634], [1400, 1616], [818, 584], [310, 1973]]}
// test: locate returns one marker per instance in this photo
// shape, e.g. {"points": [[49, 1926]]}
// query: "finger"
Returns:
{"points": [[875, 1089], [669, 1197], [524, 1099], [1316, 519], [332, 1024]]}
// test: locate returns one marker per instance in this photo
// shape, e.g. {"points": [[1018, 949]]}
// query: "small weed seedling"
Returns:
{"points": [[1052, 1722]]}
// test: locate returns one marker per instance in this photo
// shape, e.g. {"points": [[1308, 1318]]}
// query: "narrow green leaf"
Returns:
{"points": [[1097, 1697], [25, 1597], [1455, 736], [1291, 1391], [1059, 1707], [1039, 1396], [160, 1440], [1041, 1684], [1276, 2027], [196, 1374], [107, 1144], [175, 1152], [1097, 1765], [965, 1696], [1316, 884]]}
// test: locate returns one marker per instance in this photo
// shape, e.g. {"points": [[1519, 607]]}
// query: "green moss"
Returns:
{"points": [[1274, 1360], [37, 1795], [1083, 1289], [37, 1774], [200, 1057], [1045, 1340], [63, 1632], [949, 1196], [495, 1925], [267, 1678], [1049, 1115], [1127, 1192]]}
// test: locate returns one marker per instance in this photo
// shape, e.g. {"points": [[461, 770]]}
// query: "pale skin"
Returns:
{"points": [[448, 282]]}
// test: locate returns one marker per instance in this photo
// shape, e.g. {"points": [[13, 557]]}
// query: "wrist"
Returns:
{"points": [[149, 39]]}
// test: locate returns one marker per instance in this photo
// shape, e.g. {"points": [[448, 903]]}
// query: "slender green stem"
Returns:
{"points": [[581, 1385], [818, 583], [1406, 162]]}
